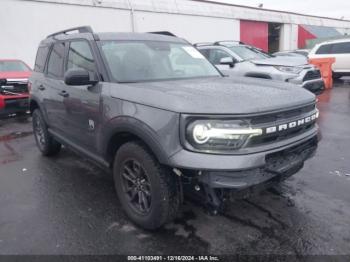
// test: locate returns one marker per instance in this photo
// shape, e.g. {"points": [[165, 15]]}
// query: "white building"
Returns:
{"points": [[24, 23]]}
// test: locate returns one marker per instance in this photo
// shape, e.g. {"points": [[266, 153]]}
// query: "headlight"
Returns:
{"points": [[214, 135], [289, 69]]}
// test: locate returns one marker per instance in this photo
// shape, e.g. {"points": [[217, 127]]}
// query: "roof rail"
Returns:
{"points": [[80, 29], [234, 41], [162, 33], [202, 44]]}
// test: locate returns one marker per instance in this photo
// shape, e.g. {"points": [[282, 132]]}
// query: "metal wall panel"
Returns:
{"points": [[192, 28], [255, 33]]}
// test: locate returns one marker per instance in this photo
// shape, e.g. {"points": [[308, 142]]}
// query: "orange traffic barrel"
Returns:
{"points": [[325, 66]]}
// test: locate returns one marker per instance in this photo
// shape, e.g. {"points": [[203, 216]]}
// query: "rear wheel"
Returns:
{"points": [[148, 192], [45, 142]]}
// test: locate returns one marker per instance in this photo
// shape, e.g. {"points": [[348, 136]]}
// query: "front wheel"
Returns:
{"points": [[148, 192], [45, 142]]}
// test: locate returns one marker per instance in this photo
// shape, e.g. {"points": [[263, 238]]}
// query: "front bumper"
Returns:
{"points": [[279, 165], [13, 104], [315, 86], [241, 171], [309, 79]]}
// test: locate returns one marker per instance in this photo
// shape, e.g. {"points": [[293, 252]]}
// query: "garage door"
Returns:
{"points": [[255, 33]]}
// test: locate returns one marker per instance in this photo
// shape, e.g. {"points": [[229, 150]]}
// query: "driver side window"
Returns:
{"points": [[80, 56]]}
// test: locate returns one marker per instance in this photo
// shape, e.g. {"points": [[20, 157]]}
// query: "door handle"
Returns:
{"points": [[41, 87], [63, 93]]}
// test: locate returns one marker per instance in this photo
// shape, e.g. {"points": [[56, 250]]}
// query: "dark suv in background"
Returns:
{"points": [[152, 110]]}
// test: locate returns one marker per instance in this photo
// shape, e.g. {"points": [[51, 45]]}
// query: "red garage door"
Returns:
{"points": [[255, 34], [303, 35]]}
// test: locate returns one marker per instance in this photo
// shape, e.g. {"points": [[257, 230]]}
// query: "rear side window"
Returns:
{"points": [[324, 49], [80, 56], [55, 64], [41, 58], [341, 48]]}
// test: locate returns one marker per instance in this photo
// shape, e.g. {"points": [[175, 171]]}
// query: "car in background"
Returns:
{"points": [[340, 50], [293, 53], [238, 59], [14, 95]]}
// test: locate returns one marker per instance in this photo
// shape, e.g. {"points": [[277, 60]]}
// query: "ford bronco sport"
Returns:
{"points": [[152, 110]]}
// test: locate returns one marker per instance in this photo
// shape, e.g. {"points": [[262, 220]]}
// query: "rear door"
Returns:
{"points": [[82, 103], [54, 86]]}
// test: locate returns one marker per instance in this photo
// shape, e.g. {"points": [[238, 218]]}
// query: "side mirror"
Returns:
{"points": [[227, 61], [80, 77]]}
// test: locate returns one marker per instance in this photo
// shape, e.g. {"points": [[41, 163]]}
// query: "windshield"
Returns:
{"points": [[13, 66], [248, 53], [137, 61]]}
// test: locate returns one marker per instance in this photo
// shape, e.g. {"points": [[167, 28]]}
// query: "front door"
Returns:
{"points": [[82, 103]]}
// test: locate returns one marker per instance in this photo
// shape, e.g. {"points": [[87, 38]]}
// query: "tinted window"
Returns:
{"points": [[55, 64], [204, 52], [341, 48], [13, 66], [215, 55], [80, 56], [324, 49], [41, 58]]}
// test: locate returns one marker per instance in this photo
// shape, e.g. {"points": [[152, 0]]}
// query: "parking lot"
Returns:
{"points": [[66, 205]]}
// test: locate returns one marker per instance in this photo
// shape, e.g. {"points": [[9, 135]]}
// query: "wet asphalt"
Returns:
{"points": [[66, 205]]}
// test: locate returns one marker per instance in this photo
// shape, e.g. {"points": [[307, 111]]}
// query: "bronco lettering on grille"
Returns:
{"points": [[292, 124]]}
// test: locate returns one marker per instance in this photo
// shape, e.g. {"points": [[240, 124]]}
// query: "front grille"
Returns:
{"points": [[312, 75], [315, 87], [265, 139], [14, 87], [283, 115], [278, 119]]}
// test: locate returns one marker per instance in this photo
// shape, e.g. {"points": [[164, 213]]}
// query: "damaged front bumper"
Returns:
{"points": [[281, 164], [214, 187]]}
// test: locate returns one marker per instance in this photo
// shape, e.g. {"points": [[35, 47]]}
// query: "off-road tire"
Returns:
{"points": [[165, 193], [48, 146]]}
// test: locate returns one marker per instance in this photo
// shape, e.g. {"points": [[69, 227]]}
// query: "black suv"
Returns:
{"points": [[152, 110]]}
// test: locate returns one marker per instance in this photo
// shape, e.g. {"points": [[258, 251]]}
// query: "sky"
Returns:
{"points": [[334, 8]]}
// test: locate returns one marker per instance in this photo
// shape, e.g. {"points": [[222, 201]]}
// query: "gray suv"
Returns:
{"points": [[162, 119], [238, 59]]}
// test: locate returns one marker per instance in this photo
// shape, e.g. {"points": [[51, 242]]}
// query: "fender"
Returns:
{"points": [[126, 124], [41, 107]]}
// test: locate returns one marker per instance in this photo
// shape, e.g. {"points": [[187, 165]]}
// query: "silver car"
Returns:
{"points": [[238, 59]]}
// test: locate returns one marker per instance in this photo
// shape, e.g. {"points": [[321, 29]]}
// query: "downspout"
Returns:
{"points": [[132, 16]]}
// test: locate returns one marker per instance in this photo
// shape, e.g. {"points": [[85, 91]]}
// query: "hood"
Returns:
{"points": [[14, 75], [216, 95], [281, 61]]}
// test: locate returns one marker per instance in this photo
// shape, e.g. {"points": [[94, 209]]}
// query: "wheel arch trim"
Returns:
{"points": [[135, 127]]}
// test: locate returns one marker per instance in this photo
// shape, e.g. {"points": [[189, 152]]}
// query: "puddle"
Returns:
{"points": [[15, 135]]}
